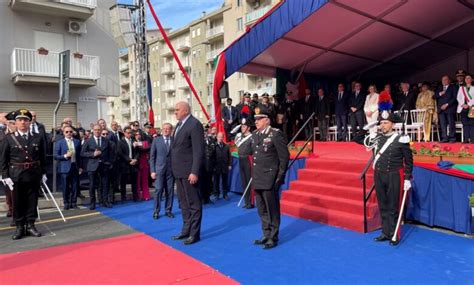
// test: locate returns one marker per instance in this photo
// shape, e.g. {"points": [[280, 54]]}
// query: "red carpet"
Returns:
{"points": [[328, 189], [131, 259]]}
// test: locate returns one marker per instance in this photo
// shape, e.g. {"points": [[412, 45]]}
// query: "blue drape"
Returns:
{"points": [[440, 200], [234, 175]]}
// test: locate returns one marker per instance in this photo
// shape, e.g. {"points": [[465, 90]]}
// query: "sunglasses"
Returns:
{"points": [[105, 134], [68, 132], [128, 133]]}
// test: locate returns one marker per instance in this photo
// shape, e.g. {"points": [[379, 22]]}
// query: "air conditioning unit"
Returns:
{"points": [[77, 27]]}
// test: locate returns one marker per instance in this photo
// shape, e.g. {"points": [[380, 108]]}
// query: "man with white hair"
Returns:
{"points": [[187, 157]]}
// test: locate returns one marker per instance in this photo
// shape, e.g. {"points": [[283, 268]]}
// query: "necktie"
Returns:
{"points": [[178, 127], [340, 96], [230, 113], [406, 93], [98, 142], [357, 93], [70, 147], [167, 144], [25, 137]]}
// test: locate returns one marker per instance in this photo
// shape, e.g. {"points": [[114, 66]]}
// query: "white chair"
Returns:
{"points": [[459, 127], [398, 126], [417, 123], [332, 129]]}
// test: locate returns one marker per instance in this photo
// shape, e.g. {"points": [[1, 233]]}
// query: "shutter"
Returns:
{"points": [[44, 111]]}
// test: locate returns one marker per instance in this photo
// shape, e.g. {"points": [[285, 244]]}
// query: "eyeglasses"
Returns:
{"points": [[105, 134], [68, 132], [136, 125]]}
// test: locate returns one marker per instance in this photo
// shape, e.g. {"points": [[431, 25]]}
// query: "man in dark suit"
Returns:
{"points": [[67, 152], [160, 168], [98, 151], [115, 136], [128, 157], [270, 160], [222, 167], [9, 127], [230, 115], [187, 156], [23, 168], [38, 128], [445, 97], [341, 111], [356, 104], [208, 170], [406, 99], [267, 106], [322, 114], [306, 108]]}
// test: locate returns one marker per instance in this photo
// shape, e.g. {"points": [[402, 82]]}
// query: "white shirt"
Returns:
{"points": [[462, 99], [129, 142]]}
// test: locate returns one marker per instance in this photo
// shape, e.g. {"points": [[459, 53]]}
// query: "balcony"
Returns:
{"points": [[186, 63], [30, 67], [170, 105], [124, 67], [212, 54], [166, 52], [256, 14], [182, 84], [210, 78], [168, 87], [168, 69], [125, 82], [125, 96], [77, 9], [125, 111], [215, 32], [263, 89], [183, 45], [110, 112]]}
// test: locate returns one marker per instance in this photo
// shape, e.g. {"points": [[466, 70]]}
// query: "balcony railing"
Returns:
{"points": [[125, 81], [125, 111], [212, 54], [254, 15], [166, 52], [125, 96], [92, 4], [182, 84], [30, 62], [183, 45], [168, 88], [167, 69], [218, 30], [124, 67]]}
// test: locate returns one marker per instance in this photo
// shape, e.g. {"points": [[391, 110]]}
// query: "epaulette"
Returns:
{"points": [[404, 139]]}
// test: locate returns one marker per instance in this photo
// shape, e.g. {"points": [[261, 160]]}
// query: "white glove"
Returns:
{"points": [[406, 185], [372, 135], [8, 182], [44, 178]]}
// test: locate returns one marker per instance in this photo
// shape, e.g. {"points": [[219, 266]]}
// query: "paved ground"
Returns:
{"points": [[82, 225]]}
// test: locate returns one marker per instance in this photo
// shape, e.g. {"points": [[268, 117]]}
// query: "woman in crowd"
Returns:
{"points": [[425, 101], [371, 107], [143, 166], [466, 108]]}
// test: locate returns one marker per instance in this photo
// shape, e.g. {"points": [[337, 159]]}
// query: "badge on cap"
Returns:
{"points": [[385, 115]]}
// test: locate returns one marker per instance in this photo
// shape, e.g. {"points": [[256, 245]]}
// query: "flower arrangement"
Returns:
{"points": [[78, 55], [43, 51], [438, 150]]}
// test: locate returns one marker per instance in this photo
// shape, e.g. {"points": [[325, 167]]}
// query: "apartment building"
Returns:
{"points": [[197, 45], [33, 34]]}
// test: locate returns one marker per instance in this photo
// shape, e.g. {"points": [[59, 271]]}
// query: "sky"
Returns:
{"points": [[177, 13]]}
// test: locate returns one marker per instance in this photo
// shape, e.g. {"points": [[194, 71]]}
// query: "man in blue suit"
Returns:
{"points": [[446, 101], [67, 152], [341, 111], [230, 115], [160, 167], [98, 151]]}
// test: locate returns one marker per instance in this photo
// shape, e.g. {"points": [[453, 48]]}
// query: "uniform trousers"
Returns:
{"points": [[191, 207], [25, 201], [268, 206], [387, 188]]}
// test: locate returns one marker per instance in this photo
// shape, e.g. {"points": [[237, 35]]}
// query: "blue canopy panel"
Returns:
{"points": [[264, 34]]}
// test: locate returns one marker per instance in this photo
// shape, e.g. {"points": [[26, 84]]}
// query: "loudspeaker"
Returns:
{"points": [[224, 91]]}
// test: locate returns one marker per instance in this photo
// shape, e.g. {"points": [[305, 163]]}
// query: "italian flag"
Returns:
{"points": [[219, 77]]}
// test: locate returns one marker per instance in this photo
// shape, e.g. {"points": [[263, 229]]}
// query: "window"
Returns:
{"points": [[131, 80], [133, 95], [239, 3], [193, 33], [154, 84], [241, 93], [131, 64], [198, 32], [198, 52], [239, 24], [194, 53], [241, 75]]}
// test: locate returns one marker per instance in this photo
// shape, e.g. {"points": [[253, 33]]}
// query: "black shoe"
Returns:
{"points": [[394, 243], [169, 215], [108, 205], [74, 206], [79, 195], [191, 240], [249, 207], [226, 197], [156, 216], [444, 141], [31, 230], [452, 141], [92, 207], [66, 207], [19, 233], [260, 241], [180, 236], [381, 238], [9, 214], [270, 244]]}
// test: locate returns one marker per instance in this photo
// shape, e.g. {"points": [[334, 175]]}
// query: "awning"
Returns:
{"points": [[354, 38]]}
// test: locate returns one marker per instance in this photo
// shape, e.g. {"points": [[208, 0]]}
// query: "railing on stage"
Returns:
{"points": [[364, 189], [308, 139]]}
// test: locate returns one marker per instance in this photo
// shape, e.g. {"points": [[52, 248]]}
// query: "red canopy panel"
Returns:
{"points": [[356, 37]]}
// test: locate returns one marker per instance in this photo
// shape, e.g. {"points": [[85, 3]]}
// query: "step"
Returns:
{"points": [[357, 165], [329, 202], [328, 216], [335, 177], [327, 188]]}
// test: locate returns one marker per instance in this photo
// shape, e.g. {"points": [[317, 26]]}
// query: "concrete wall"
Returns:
{"points": [[17, 30]]}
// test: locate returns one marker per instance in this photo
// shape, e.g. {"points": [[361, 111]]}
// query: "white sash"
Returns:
{"points": [[384, 147], [241, 141]]}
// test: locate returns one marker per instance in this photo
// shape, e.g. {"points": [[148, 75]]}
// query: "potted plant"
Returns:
{"points": [[78, 55], [43, 51]]}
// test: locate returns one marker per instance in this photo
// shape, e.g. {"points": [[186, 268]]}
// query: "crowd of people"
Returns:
{"points": [[352, 107]]}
